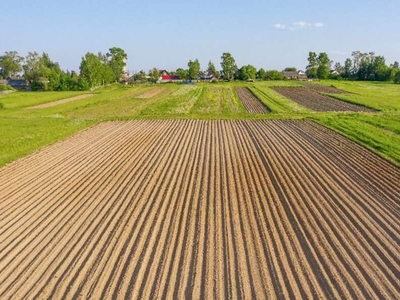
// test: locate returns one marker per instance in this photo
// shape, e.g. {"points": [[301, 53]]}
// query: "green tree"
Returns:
{"points": [[154, 74], [182, 73], [312, 67], [274, 75], [247, 72], [32, 66], [91, 69], [211, 70], [141, 75], [261, 74], [347, 69], [194, 69], [290, 69], [228, 65], [324, 66], [397, 77], [117, 57], [107, 72], [10, 64]]}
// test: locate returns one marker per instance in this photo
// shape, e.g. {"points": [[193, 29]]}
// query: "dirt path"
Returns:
{"points": [[200, 209], [151, 93], [55, 103]]}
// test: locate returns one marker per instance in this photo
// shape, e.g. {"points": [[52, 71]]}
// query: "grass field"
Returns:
{"points": [[23, 131]]}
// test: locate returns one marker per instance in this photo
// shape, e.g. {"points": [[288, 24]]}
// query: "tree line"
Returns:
{"points": [[100, 69], [362, 66], [44, 74]]}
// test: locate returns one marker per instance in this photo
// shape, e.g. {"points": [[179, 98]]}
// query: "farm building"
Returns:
{"points": [[300, 75], [16, 83], [169, 78], [205, 77]]}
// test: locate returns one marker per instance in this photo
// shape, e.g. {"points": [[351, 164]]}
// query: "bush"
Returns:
{"points": [[6, 88]]}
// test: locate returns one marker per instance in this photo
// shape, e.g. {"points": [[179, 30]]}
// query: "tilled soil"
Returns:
{"points": [[55, 103], [315, 101], [151, 93], [251, 102], [324, 89], [200, 209]]}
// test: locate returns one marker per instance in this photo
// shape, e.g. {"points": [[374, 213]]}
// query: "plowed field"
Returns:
{"points": [[251, 102], [324, 89], [200, 209], [316, 101]]}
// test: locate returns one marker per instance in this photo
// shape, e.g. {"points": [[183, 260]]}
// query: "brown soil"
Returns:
{"points": [[151, 93], [316, 101], [251, 102], [55, 103], [324, 89], [180, 209]]}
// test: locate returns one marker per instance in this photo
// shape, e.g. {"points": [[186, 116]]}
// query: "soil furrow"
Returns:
{"points": [[172, 209]]}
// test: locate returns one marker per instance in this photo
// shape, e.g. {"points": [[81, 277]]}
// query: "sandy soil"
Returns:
{"points": [[180, 209], [151, 93], [251, 102], [55, 103]]}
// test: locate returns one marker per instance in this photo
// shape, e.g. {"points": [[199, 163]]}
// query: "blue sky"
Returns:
{"points": [[166, 34]]}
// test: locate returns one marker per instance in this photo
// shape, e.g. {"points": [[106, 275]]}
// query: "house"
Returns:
{"points": [[169, 78], [334, 72], [300, 75], [16, 83], [205, 77]]}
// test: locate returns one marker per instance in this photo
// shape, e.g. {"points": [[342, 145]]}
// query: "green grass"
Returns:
{"points": [[379, 95], [25, 131], [20, 137], [380, 133]]}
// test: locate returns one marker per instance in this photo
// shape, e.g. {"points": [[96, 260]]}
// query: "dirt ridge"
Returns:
{"points": [[201, 209]]}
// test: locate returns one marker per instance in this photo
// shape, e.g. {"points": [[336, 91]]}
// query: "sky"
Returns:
{"points": [[167, 34]]}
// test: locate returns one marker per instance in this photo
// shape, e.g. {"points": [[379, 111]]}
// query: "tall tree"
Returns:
{"points": [[107, 72], [211, 70], [347, 69], [91, 69], [10, 64], [324, 66], [194, 69], [397, 77], [261, 74], [117, 62], [154, 74], [228, 65], [312, 67], [32, 66]]}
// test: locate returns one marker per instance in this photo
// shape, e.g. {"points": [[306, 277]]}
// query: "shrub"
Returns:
{"points": [[6, 88]]}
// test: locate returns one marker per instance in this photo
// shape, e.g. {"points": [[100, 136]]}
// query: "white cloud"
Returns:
{"points": [[298, 25], [280, 26]]}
